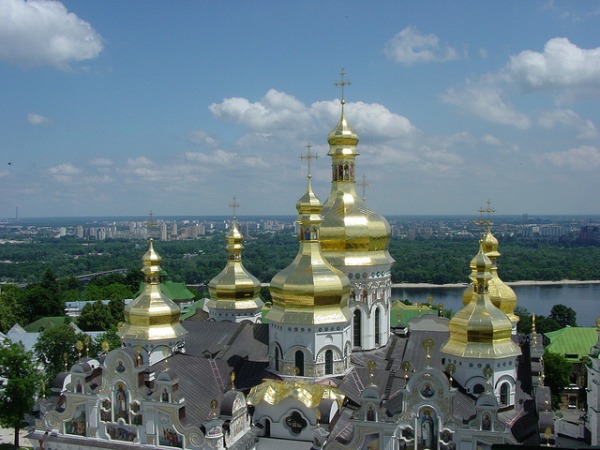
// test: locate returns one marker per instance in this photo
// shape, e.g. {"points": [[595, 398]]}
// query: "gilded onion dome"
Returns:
{"points": [[501, 295], [152, 315], [351, 234], [234, 287], [480, 329], [309, 290]]}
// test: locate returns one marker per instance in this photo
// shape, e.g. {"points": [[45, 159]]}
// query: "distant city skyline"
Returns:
{"points": [[177, 108]]}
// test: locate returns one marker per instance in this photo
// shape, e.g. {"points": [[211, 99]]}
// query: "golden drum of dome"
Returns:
{"points": [[152, 315], [501, 295], [310, 289], [479, 329]]}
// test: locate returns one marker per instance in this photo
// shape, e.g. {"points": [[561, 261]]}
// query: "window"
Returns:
{"points": [[328, 362], [277, 359], [505, 394], [377, 327], [300, 363], [357, 328]]}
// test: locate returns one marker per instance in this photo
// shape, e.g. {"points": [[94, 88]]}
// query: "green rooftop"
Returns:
{"points": [[45, 323], [401, 313], [572, 342]]}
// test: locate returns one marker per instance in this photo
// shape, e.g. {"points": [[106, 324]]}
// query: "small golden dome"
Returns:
{"points": [[351, 234], [309, 290], [152, 315], [479, 329], [502, 296], [234, 287]]}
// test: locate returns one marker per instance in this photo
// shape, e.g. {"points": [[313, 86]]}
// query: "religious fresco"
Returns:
{"points": [[77, 424], [427, 429], [120, 403], [168, 436], [121, 432]]}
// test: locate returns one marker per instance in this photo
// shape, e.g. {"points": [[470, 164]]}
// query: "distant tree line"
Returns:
{"points": [[198, 261]]}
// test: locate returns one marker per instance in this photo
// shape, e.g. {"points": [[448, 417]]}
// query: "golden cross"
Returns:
{"points": [[489, 210], [363, 184], [342, 84], [233, 205], [309, 156], [150, 224]]}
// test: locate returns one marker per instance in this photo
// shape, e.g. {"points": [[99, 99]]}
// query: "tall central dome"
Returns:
{"points": [[355, 240], [351, 234]]}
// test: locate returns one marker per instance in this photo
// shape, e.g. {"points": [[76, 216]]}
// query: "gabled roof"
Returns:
{"points": [[572, 342]]}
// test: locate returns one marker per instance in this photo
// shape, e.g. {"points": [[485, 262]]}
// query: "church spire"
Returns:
{"points": [[309, 290], [152, 318], [234, 292]]}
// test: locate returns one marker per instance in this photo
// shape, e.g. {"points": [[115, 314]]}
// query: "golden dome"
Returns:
{"points": [[351, 234], [275, 391], [479, 329], [502, 296], [309, 290], [234, 287], [152, 315]]}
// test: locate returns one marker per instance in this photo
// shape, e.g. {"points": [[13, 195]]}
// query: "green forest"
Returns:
{"points": [[198, 261]]}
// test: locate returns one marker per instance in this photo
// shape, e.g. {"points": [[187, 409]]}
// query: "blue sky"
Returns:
{"points": [[118, 108]]}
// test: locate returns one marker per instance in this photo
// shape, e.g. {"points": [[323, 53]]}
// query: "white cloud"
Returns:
{"points": [[410, 46], [491, 140], [561, 65], [44, 33], [485, 100], [569, 118], [101, 162], [218, 157], [202, 137], [275, 111], [38, 119], [579, 159], [64, 173]]}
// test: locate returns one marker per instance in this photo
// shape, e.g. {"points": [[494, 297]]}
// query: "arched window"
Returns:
{"points": [[328, 362], [299, 363], [277, 359], [377, 327], [504, 394], [357, 328]]}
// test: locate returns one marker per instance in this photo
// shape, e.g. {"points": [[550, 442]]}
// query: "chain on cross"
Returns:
{"points": [[234, 205], [363, 184], [342, 83], [151, 224], [309, 156]]}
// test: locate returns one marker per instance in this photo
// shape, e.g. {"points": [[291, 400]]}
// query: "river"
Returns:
{"points": [[583, 298]]}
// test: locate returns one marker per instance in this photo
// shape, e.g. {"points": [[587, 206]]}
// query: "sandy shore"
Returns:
{"points": [[511, 283]]}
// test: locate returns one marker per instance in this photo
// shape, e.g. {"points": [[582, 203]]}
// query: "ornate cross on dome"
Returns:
{"points": [[363, 184], [150, 224], [342, 84], [234, 205], [309, 156], [488, 211]]}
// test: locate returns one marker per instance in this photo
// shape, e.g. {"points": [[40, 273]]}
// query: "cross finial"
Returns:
{"points": [[363, 184], [342, 83], [309, 156], [150, 224], [234, 205]]}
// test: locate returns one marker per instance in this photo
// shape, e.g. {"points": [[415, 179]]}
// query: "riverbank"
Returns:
{"points": [[511, 283]]}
